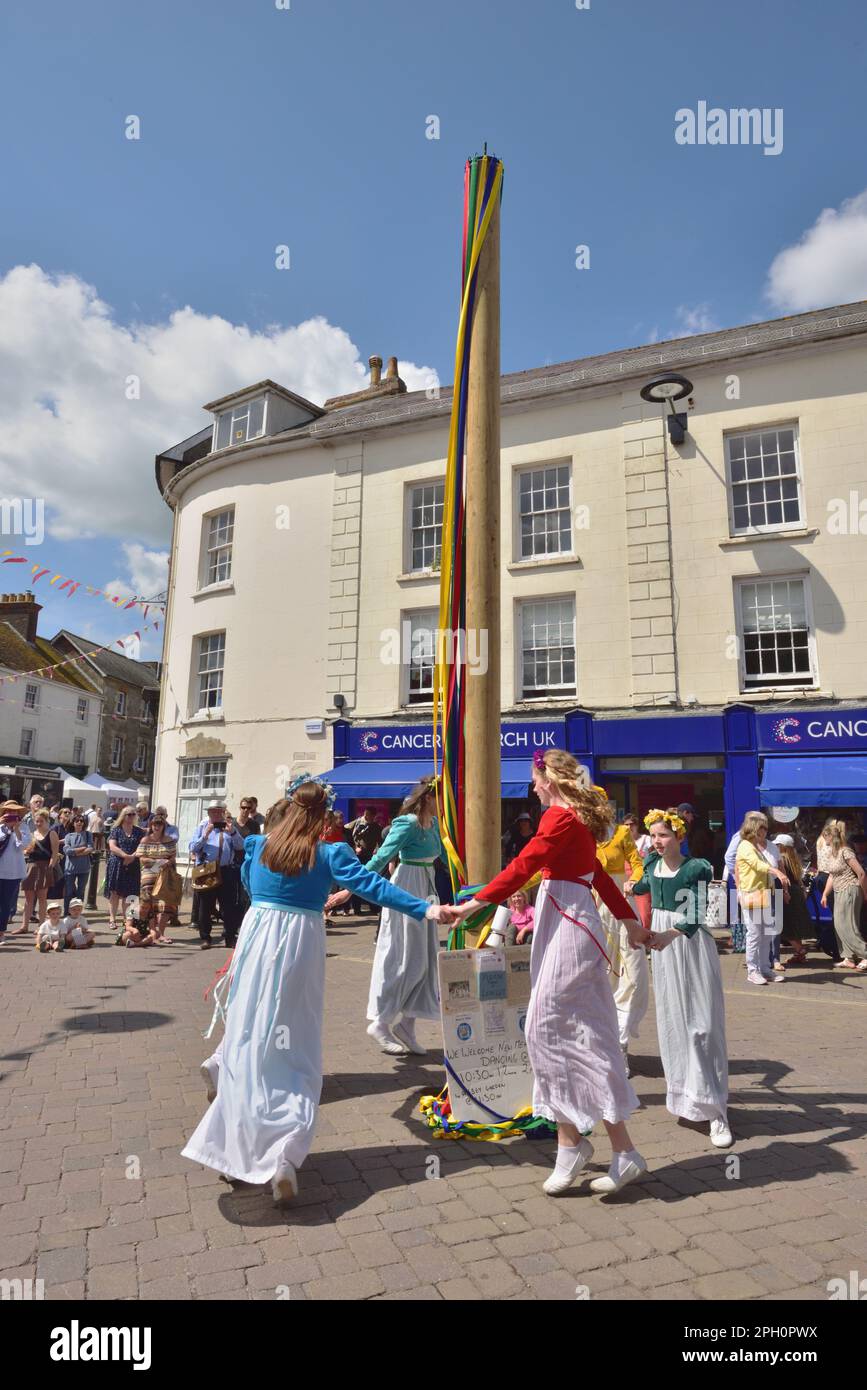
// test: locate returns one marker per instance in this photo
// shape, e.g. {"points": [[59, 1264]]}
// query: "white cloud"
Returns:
{"points": [[695, 318], [827, 266], [148, 573], [71, 436]]}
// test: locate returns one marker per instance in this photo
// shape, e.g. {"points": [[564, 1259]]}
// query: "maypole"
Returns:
{"points": [[467, 701]]}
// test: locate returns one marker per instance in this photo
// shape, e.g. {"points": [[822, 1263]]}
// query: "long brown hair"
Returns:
{"points": [[569, 781], [415, 801], [290, 847], [790, 863]]}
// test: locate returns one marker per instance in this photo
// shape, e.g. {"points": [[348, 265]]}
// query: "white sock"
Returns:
{"points": [[619, 1160], [566, 1155]]}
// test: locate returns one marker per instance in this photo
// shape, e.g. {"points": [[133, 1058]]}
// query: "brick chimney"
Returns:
{"points": [[22, 611], [393, 385]]}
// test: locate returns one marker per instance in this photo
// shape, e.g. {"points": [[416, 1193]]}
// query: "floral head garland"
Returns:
{"points": [[539, 760], [669, 818], [302, 778]]}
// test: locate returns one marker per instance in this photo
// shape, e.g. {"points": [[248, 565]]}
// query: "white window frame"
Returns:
{"points": [[120, 704], [117, 740], [31, 689], [196, 793], [525, 470], [238, 417], [30, 751], [197, 672], [551, 692], [205, 579], [770, 526], [797, 682], [409, 505], [83, 754], [408, 620], [141, 756], [82, 718]]}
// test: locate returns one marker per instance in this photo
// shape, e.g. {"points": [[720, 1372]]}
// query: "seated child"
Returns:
{"points": [[51, 935], [136, 930], [78, 935]]}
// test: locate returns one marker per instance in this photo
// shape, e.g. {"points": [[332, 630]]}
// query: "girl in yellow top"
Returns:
{"points": [[754, 870]]}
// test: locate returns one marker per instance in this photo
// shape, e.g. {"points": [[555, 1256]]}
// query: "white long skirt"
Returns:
{"points": [[404, 975], [630, 974], [270, 1059], [579, 1076], [690, 1022]]}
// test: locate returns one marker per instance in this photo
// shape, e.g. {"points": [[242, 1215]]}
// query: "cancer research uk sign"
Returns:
{"points": [[517, 740], [813, 731]]}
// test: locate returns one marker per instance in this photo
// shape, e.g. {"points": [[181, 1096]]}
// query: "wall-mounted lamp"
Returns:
{"points": [[670, 388], [339, 701]]}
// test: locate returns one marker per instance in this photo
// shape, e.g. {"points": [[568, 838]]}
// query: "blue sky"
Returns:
{"points": [[307, 127]]}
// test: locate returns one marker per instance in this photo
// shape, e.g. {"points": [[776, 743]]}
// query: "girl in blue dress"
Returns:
{"points": [[266, 1076]]}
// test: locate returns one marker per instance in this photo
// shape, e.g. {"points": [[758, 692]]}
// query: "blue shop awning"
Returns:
{"points": [[814, 781], [391, 778]]}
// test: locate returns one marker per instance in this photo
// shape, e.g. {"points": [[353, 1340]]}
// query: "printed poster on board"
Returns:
{"points": [[484, 995]]}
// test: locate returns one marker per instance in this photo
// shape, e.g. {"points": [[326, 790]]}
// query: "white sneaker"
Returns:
{"points": [[776, 979], [284, 1184], [754, 978], [211, 1076], [720, 1134], [404, 1031], [618, 1176], [383, 1037], [564, 1176]]}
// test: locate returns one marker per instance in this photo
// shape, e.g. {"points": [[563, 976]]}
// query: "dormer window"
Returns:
{"points": [[243, 422]]}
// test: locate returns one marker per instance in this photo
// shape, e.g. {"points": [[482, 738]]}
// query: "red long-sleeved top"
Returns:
{"points": [[562, 848]]}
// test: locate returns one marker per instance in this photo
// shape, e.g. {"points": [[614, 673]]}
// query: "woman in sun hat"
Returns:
{"points": [[14, 838]]}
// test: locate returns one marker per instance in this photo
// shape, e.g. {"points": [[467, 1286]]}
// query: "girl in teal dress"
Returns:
{"points": [[687, 983], [403, 983]]}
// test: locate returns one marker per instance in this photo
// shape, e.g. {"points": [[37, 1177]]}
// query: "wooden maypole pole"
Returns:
{"points": [[483, 705]]}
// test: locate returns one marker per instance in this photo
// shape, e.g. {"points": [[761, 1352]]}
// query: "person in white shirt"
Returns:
{"points": [[78, 935], [50, 935], [14, 839]]}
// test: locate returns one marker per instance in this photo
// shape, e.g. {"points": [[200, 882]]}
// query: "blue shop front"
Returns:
{"points": [[379, 765]]}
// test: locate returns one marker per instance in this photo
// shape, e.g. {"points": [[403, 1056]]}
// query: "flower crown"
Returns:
{"points": [[539, 760], [302, 778], [670, 818]]}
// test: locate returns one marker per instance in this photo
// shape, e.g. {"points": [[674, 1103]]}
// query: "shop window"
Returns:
{"points": [[776, 637], [547, 648], [764, 481], [544, 511]]}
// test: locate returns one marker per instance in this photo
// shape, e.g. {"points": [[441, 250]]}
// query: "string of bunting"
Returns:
{"points": [[82, 656], [62, 584]]}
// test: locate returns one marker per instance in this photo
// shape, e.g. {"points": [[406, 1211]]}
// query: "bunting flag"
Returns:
{"points": [[48, 671], [71, 586], [483, 185]]}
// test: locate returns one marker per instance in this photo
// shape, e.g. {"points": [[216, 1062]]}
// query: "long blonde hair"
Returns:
{"points": [[569, 780], [290, 846], [836, 834], [753, 822]]}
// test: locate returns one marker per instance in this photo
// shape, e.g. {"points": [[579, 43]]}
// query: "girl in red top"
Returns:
{"points": [[572, 1036]]}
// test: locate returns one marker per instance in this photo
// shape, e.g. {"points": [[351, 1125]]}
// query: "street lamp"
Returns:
{"points": [[670, 388]]}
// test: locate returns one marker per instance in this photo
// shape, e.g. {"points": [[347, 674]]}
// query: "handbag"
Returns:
{"points": [[207, 876], [168, 887]]}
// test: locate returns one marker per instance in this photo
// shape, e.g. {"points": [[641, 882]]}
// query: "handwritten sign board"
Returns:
{"points": [[484, 998]]}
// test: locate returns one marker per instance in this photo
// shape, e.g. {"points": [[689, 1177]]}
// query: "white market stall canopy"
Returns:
{"points": [[83, 793], [142, 793], [114, 791]]}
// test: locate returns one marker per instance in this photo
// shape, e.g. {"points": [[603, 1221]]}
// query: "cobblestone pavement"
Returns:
{"points": [[100, 1088]]}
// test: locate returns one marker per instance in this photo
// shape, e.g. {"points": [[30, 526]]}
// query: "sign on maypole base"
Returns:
{"points": [[484, 997]]}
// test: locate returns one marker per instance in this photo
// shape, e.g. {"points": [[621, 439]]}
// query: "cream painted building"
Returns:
{"points": [[643, 579]]}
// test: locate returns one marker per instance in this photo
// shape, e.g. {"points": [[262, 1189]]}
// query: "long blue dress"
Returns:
{"points": [[268, 1068]]}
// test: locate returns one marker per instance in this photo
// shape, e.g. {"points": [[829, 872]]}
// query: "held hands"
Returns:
{"points": [[637, 934], [337, 899], [444, 913], [660, 939]]}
